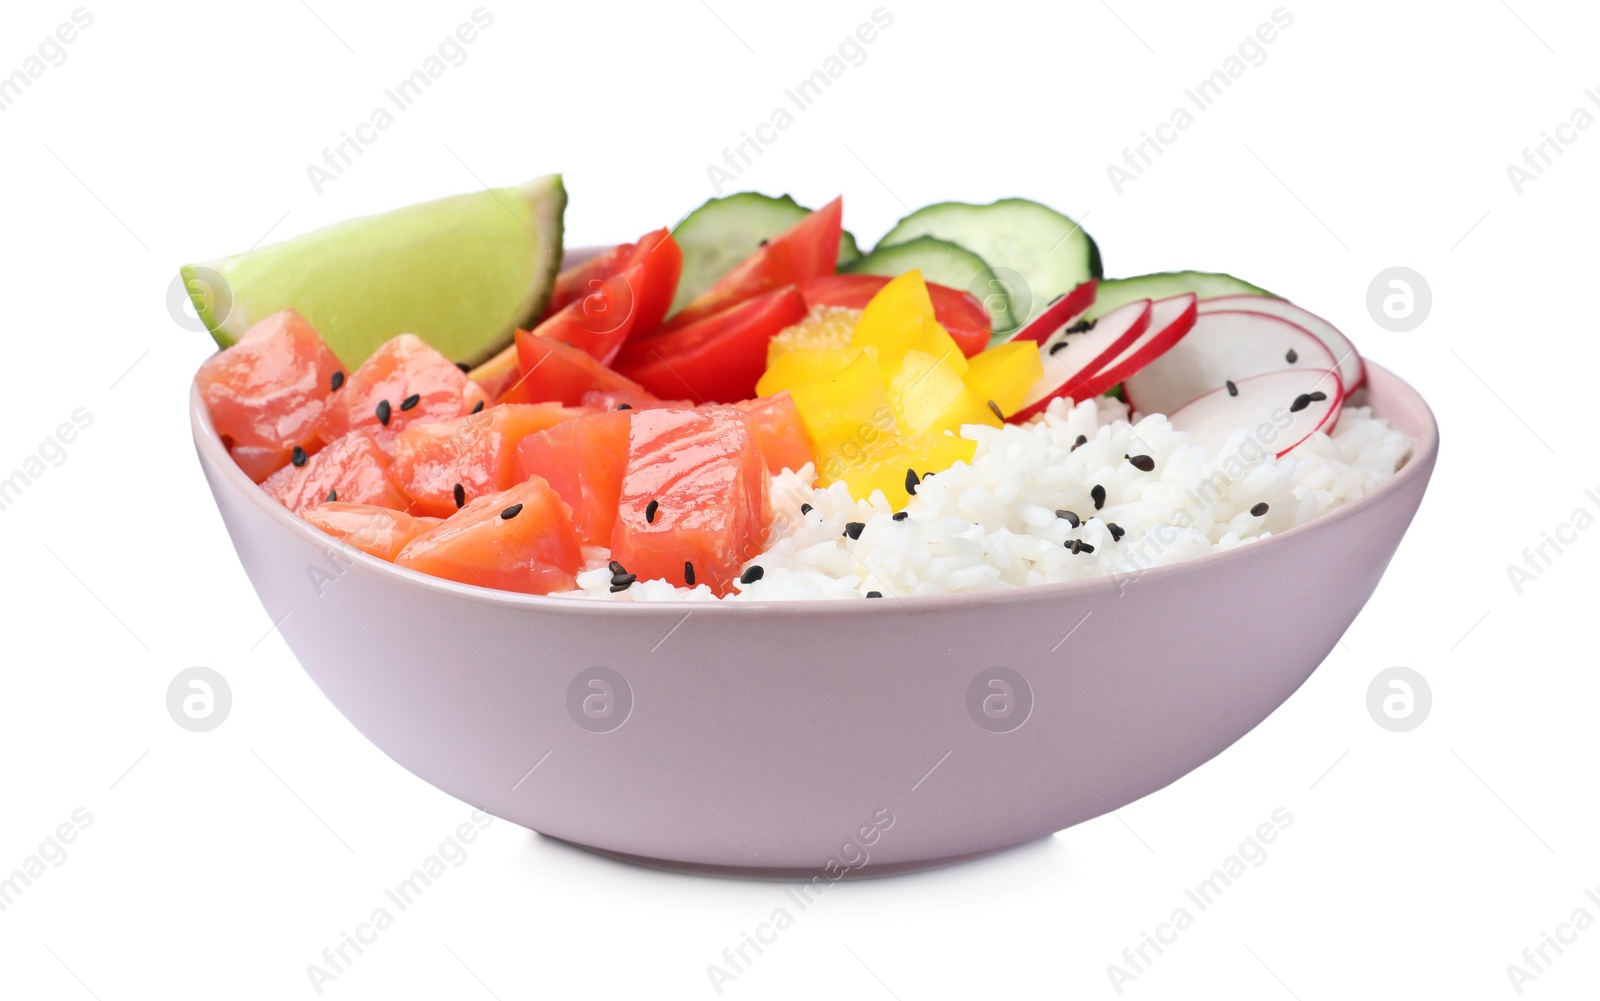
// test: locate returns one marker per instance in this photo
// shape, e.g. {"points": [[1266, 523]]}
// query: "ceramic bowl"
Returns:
{"points": [[819, 739]]}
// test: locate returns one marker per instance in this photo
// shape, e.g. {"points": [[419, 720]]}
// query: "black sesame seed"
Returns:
{"points": [[688, 573], [1292, 357], [912, 481], [1082, 327], [477, 406], [298, 457], [752, 574], [874, 594], [1076, 546], [410, 401], [383, 412], [616, 568], [337, 381], [806, 509], [1070, 517], [763, 243], [1083, 440], [1143, 463], [622, 579], [650, 510], [333, 495], [1232, 389], [511, 512], [1318, 396], [1098, 495], [1259, 509], [994, 408], [460, 495], [620, 587], [463, 366], [901, 515], [1116, 530], [624, 406], [853, 528], [1058, 346], [1300, 403]]}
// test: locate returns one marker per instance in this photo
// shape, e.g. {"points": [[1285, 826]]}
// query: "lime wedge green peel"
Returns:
{"points": [[462, 273]]}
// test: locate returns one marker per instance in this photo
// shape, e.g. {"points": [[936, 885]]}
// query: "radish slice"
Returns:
{"points": [[1264, 406], [1351, 371], [1068, 358], [1170, 321], [1222, 346], [1061, 313]]}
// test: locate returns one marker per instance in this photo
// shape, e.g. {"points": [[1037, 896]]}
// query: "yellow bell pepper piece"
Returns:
{"points": [[1005, 373], [899, 319], [805, 365], [930, 396], [883, 465], [823, 327], [846, 411]]}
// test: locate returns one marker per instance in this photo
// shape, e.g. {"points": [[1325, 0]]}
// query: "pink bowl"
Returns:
{"points": [[802, 739]]}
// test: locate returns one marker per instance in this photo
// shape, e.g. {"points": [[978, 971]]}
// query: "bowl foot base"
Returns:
{"points": [[780, 873]]}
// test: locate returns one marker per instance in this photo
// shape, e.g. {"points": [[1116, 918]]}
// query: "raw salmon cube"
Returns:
{"points": [[352, 469], [376, 530], [583, 461], [515, 540], [478, 452], [694, 493], [404, 382]]}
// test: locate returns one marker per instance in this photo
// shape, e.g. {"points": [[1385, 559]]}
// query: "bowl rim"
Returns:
{"points": [[212, 453]]}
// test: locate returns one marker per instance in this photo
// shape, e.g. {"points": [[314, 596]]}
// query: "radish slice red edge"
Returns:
{"points": [[1170, 321], [1066, 370], [1059, 313], [1265, 408], [1352, 372]]}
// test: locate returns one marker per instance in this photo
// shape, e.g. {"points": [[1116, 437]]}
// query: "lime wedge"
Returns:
{"points": [[462, 273]]}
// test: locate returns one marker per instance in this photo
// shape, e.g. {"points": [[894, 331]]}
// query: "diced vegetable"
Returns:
{"points": [[716, 359]]}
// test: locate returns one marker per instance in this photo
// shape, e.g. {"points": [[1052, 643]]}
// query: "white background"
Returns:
{"points": [[219, 865]]}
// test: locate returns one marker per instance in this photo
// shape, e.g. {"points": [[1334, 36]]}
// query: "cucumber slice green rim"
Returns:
{"points": [[463, 273], [1114, 292], [1035, 252], [724, 231], [943, 263]]}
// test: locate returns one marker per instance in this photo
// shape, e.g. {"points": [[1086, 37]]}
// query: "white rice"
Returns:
{"points": [[993, 524]]}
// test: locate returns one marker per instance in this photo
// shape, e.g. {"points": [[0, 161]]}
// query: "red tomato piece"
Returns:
{"points": [[619, 303], [808, 249], [266, 394], [717, 359], [958, 312], [694, 492], [352, 469], [554, 372], [376, 530], [780, 432], [515, 540], [410, 382], [478, 452], [583, 461], [573, 283]]}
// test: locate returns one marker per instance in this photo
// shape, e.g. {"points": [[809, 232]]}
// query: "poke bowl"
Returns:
{"points": [[820, 739]]}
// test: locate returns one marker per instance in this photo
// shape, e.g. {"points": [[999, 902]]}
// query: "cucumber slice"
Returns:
{"points": [[724, 231], [1049, 253], [943, 264], [1116, 292]]}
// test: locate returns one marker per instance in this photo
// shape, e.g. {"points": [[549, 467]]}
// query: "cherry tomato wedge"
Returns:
{"points": [[808, 249], [553, 372], [958, 312], [716, 359], [615, 304]]}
